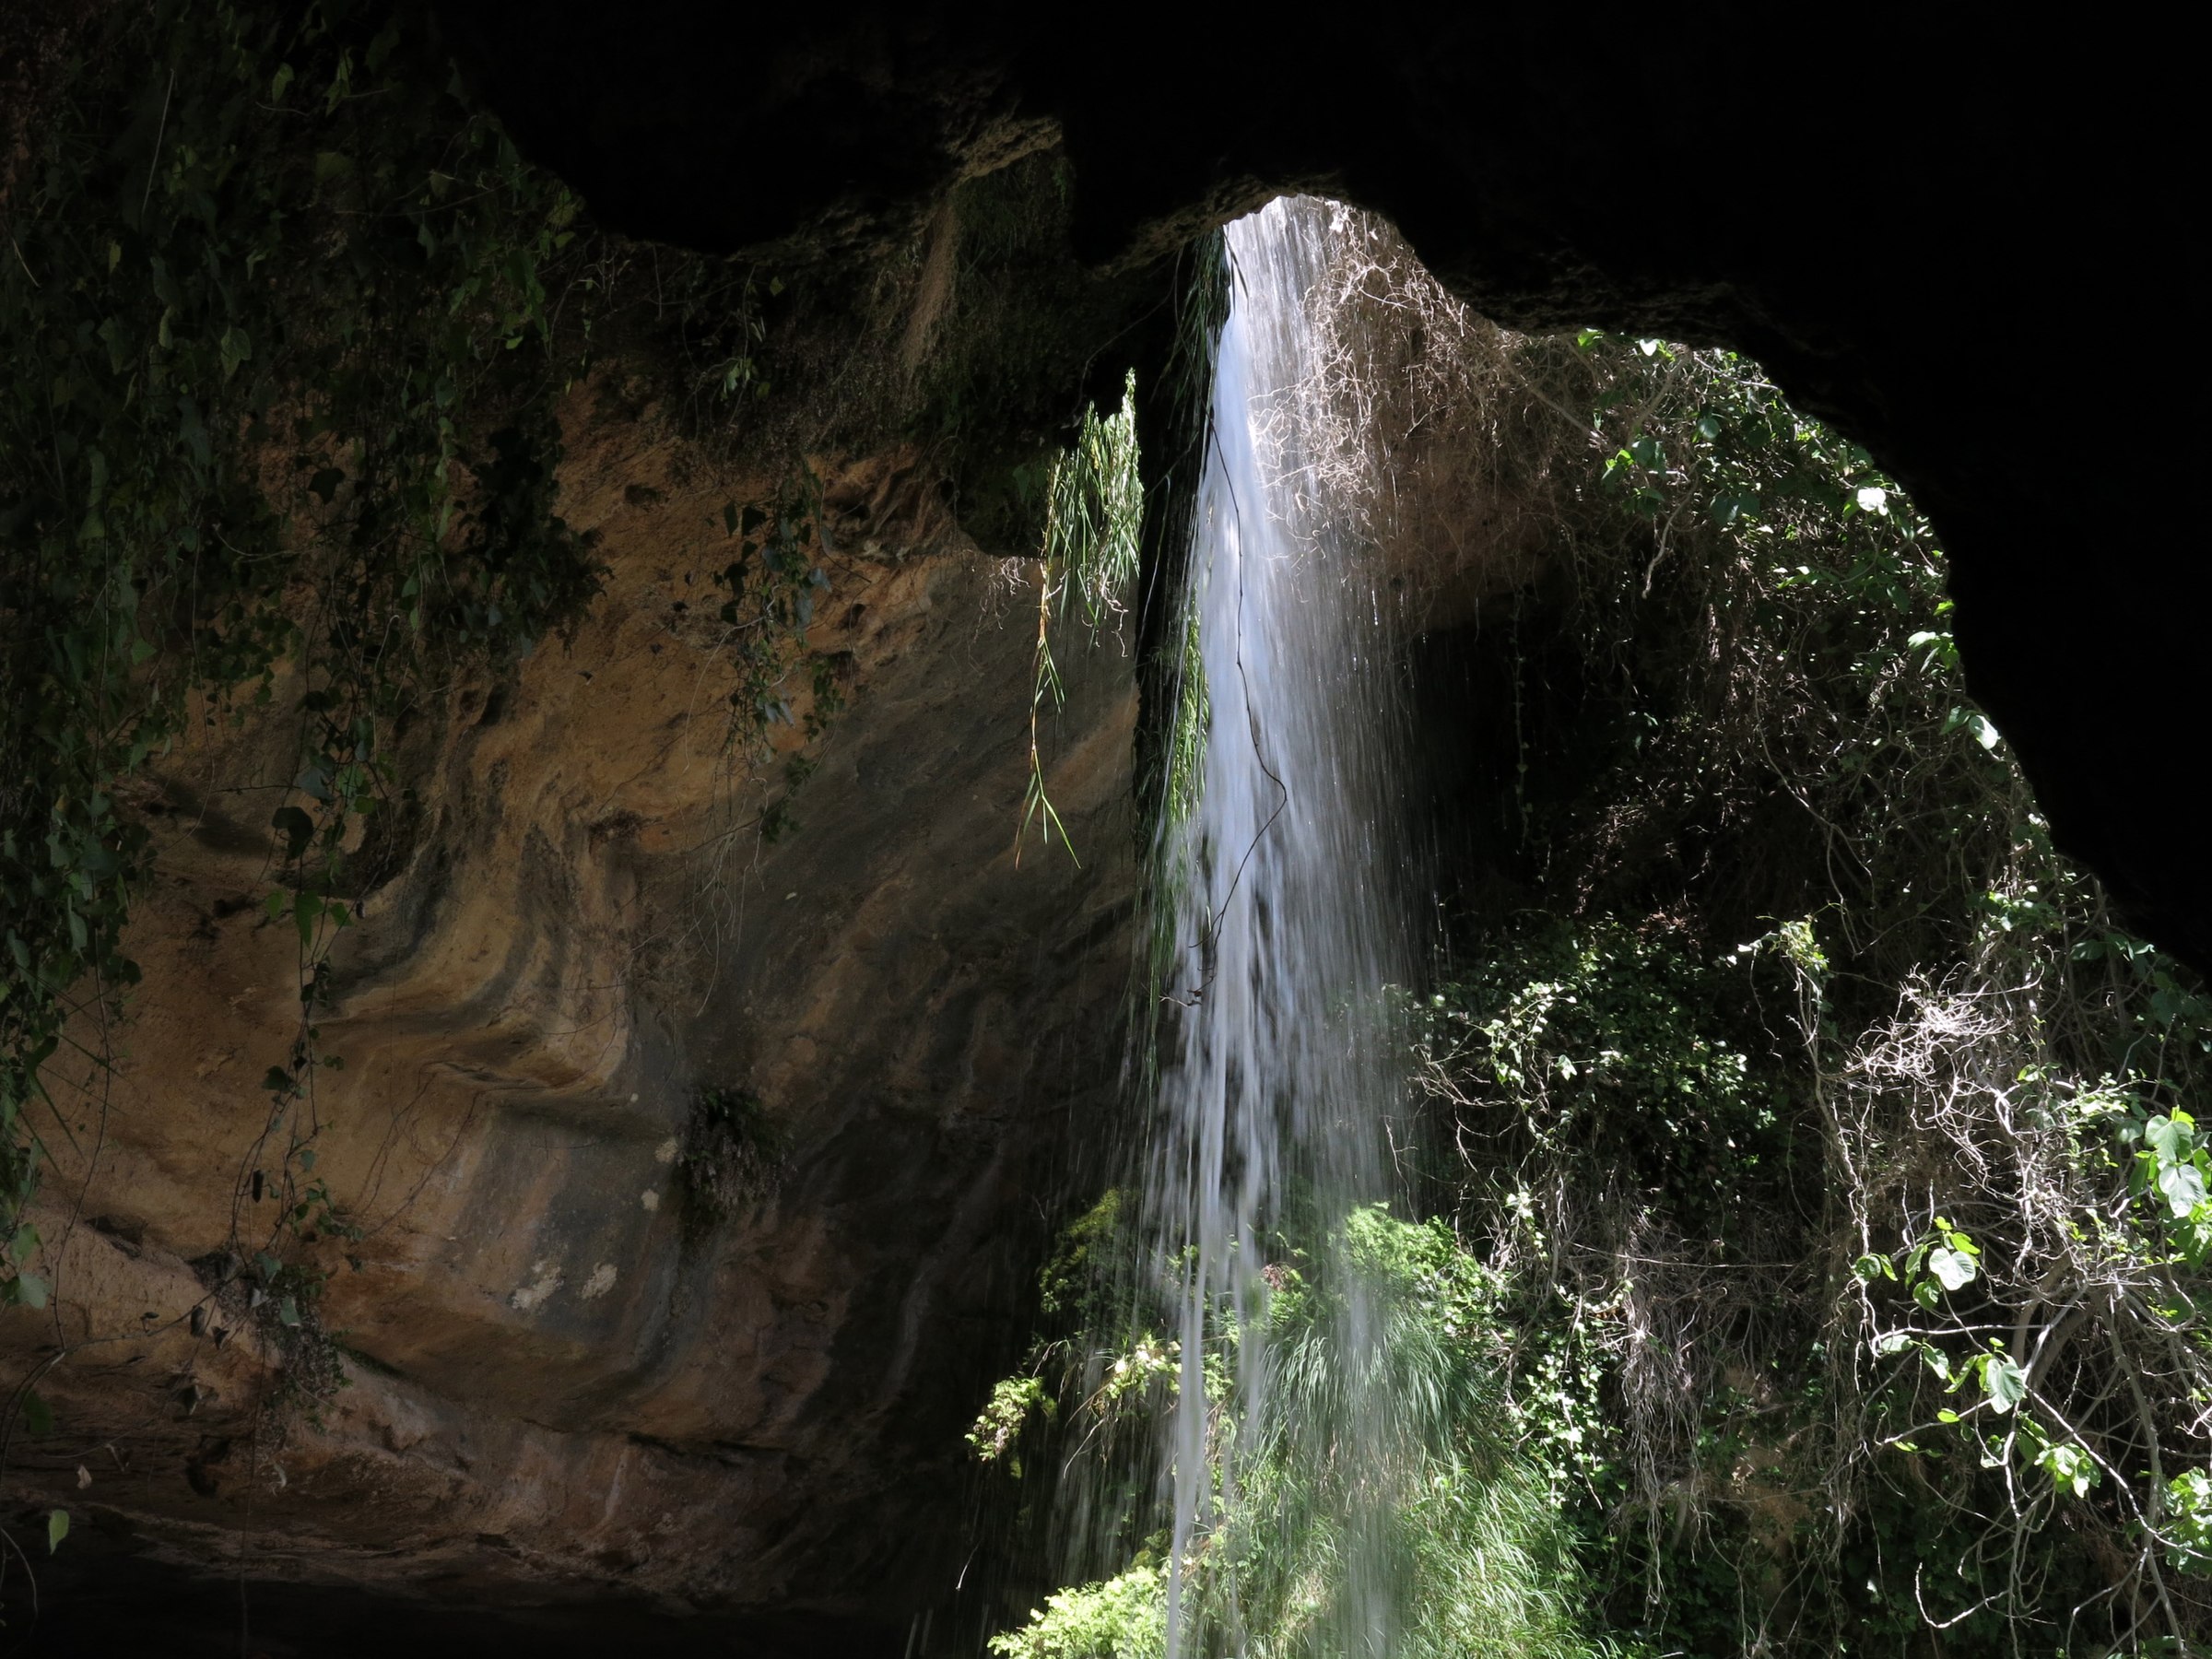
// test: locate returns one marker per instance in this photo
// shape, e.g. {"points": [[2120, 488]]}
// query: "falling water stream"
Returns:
{"points": [[1289, 898]]}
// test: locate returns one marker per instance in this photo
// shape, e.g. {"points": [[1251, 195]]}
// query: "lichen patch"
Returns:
{"points": [[527, 1297]]}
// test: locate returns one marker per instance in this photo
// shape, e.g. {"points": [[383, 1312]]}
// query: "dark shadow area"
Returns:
{"points": [[1952, 238], [103, 1593]]}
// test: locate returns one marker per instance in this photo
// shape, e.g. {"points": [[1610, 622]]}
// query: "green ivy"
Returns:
{"points": [[1938, 1098], [287, 320]]}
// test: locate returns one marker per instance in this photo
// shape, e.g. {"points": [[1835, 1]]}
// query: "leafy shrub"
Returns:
{"points": [[1123, 1617], [1392, 1435], [1830, 1138]]}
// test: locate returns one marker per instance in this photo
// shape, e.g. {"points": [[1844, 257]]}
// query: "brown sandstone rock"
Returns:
{"points": [[556, 1377]]}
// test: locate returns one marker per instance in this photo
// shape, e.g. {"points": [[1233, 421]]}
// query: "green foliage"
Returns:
{"points": [[277, 310], [1014, 1400], [1593, 1042], [1124, 1617], [1856, 1266], [1094, 506], [1394, 1436], [1005, 318], [1069, 1282], [1094, 509], [1193, 718], [2189, 1506], [287, 322], [1180, 711], [2170, 1171], [774, 584]]}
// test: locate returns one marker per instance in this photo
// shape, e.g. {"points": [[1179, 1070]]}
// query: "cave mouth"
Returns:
{"points": [[1746, 923]]}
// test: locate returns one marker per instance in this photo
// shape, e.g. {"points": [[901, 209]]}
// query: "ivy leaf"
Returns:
{"points": [[2070, 1467], [2170, 1137], [2184, 1185], [1954, 1268], [2007, 1384], [235, 348], [57, 1528], [2196, 1238], [296, 828]]}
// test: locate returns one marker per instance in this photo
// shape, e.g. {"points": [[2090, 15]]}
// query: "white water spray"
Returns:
{"points": [[1290, 895]]}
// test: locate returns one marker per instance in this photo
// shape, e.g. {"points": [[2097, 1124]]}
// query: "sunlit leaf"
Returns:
{"points": [[2007, 1385], [1954, 1269]]}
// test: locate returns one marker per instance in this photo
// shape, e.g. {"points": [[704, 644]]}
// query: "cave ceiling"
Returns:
{"points": [[1958, 239]]}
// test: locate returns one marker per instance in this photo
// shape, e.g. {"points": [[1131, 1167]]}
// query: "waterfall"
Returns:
{"points": [[1273, 1394], [1288, 892]]}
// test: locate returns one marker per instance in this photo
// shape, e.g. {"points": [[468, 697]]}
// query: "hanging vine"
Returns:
{"points": [[288, 321]]}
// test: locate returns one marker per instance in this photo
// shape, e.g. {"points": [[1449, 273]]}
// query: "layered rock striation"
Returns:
{"points": [[564, 1360]]}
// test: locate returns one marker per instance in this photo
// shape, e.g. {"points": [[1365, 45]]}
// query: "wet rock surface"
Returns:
{"points": [[565, 1380]]}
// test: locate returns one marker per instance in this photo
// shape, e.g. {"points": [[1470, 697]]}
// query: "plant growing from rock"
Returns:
{"points": [[730, 1156]]}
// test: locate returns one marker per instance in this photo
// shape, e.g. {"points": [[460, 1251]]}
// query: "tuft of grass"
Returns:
{"points": [[1094, 514], [732, 1156]]}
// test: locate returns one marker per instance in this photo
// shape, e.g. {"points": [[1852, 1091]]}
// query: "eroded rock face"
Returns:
{"points": [[1953, 240], [562, 1375]]}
